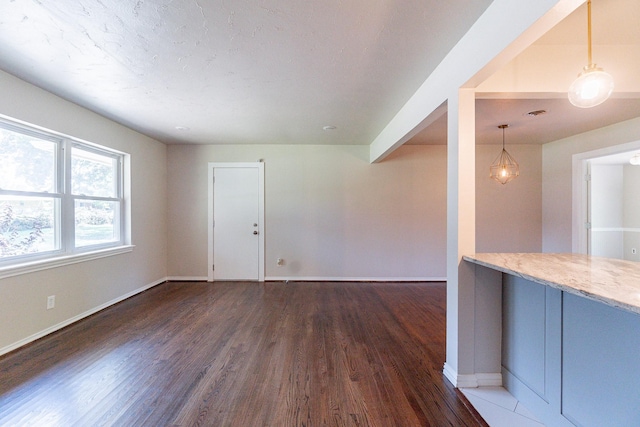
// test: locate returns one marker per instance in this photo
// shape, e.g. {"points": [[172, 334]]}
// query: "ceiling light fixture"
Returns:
{"points": [[593, 86], [635, 160], [504, 168]]}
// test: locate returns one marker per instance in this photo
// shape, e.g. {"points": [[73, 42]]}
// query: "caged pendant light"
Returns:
{"points": [[593, 86], [504, 168]]}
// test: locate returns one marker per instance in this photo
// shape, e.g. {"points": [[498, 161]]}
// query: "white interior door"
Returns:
{"points": [[237, 222]]}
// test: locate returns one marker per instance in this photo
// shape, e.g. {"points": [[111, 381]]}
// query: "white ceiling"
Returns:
{"points": [[561, 120], [278, 71], [620, 159], [235, 71], [548, 67]]}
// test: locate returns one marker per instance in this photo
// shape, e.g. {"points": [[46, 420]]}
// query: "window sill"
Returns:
{"points": [[30, 267]]}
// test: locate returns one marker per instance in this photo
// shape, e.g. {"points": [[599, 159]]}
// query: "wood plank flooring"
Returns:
{"points": [[244, 354]]}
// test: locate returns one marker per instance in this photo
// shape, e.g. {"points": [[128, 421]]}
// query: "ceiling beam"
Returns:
{"points": [[503, 31]]}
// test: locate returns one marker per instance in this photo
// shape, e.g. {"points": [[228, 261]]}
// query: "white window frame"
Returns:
{"points": [[71, 198], [68, 253]]}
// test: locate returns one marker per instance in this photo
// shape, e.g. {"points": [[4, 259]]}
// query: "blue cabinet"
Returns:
{"points": [[570, 360]]}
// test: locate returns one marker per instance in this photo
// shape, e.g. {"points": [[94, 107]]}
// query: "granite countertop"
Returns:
{"points": [[610, 281]]}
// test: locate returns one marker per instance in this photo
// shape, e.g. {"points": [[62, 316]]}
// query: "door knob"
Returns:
{"points": [[255, 232]]}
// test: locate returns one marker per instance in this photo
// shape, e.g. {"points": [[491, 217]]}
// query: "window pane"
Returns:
{"points": [[27, 225], [28, 163], [93, 174], [96, 222]]}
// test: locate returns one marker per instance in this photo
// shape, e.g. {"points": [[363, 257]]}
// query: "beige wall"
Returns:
{"points": [[557, 159], [509, 217], [81, 287], [331, 214]]}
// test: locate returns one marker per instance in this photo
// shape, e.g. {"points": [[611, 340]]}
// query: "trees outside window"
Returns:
{"points": [[57, 196], [95, 184]]}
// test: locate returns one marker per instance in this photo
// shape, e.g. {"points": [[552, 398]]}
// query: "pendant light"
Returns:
{"points": [[504, 168], [635, 160], [593, 86]]}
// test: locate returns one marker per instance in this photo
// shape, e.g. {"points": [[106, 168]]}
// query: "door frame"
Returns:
{"points": [[210, 229], [580, 188]]}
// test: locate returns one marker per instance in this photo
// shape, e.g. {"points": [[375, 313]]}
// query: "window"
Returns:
{"points": [[58, 196], [95, 189]]}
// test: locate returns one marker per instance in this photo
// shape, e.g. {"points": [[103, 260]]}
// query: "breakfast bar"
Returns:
{"points": [[570, 335]]}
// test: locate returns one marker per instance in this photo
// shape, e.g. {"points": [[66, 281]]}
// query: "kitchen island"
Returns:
{"points": [[570, 339]]}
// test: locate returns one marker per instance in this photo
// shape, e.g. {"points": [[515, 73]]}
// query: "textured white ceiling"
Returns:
{"points": [[235, 71], [613, 22], [278, 71], [538, 79]]}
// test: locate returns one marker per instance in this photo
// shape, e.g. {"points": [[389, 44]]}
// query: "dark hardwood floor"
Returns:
{"points": [[244, 354]]}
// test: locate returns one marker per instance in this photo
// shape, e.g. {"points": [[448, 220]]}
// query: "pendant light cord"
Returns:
{"points": [[589, 30]]}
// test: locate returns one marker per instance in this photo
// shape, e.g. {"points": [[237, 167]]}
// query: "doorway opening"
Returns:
{"points": [[606, 205]]}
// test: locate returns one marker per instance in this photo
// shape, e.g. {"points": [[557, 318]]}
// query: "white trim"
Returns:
{"points": [[450, 374], [489, 380], [618, 229], [210, 222], [44, 264], [467, 381], [74, 319], [261, 221], [579, 206], [353, 279], [471, 380], [187, 278], [64, 199]]}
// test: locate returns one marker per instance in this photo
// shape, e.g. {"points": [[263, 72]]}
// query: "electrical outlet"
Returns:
{"points": [[51, 302], [279, 262], [633, 251]]}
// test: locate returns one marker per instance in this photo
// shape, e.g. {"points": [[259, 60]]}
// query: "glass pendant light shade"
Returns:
{"points": [[592, 87], [504, 168], [635, 160]]}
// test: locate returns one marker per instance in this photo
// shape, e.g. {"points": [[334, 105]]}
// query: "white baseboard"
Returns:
{"points": [[187, 278], [471, 380], [352, 279], [319, 279], [74, 319], [450, 374], [489, 380]]}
